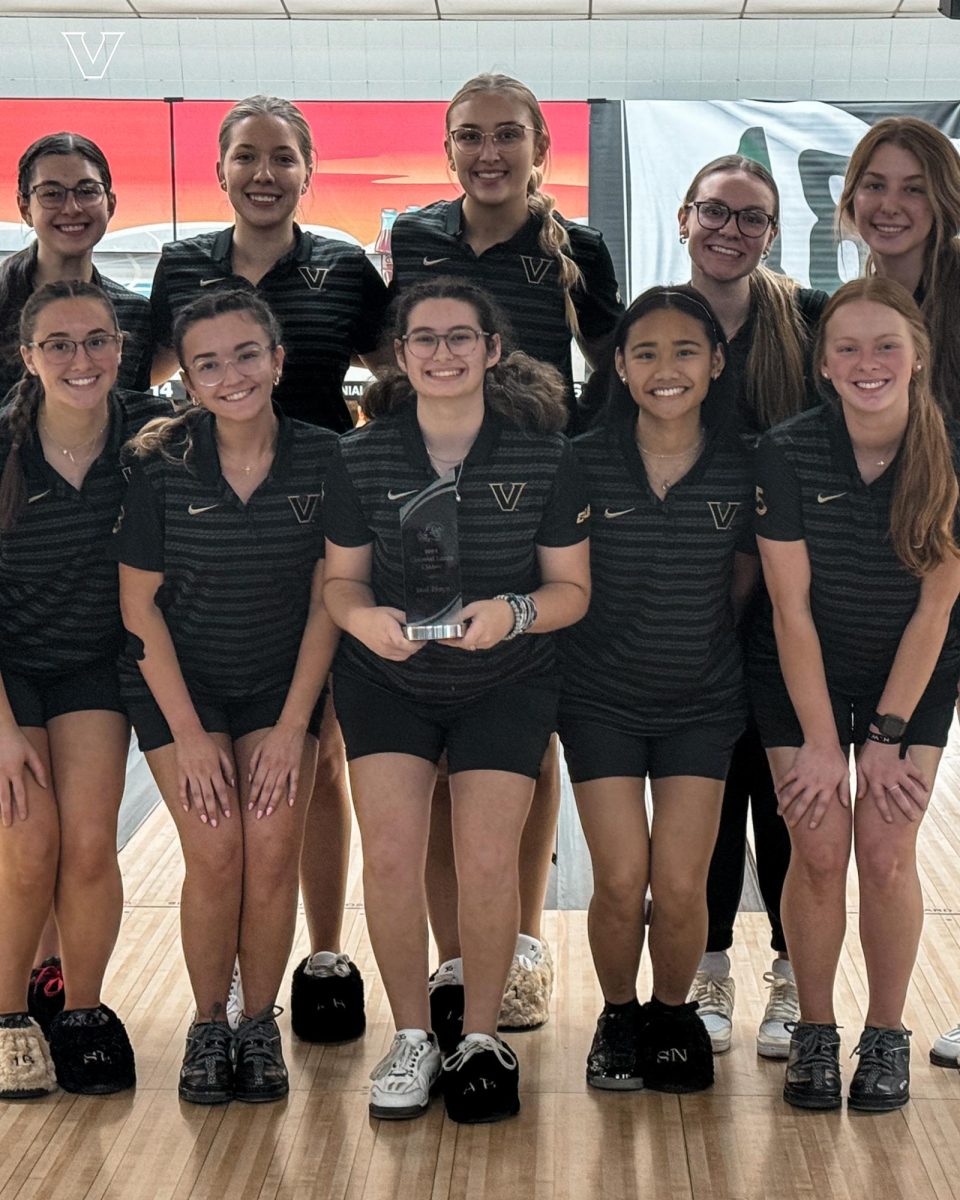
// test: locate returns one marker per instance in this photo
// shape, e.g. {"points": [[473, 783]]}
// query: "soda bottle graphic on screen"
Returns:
{"points": [[381, 247]]}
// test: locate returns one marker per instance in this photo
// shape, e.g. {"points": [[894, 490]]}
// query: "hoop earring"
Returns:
{"points": [[683, 239], [764, 255], [276, 379]]}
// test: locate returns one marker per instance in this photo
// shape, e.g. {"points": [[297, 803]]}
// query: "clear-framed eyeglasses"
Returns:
{"points": [[506, 138], [211, 372]]}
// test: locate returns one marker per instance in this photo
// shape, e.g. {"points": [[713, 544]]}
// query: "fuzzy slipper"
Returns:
{"points": [[26, 1069], [526, 997]]}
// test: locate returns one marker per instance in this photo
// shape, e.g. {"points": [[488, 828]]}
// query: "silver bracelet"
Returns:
{"points": [[524, 610]]}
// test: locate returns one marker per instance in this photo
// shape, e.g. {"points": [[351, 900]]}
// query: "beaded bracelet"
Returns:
{"points": [[524, 612]]}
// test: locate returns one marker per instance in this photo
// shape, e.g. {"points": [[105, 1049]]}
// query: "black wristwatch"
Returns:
{"points": [[887, 729]]}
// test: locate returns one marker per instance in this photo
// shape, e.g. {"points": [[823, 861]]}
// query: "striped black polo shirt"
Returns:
{"points": [[59, 609], [658, 649], [861, 594], [326, 294], [236, 577], [517, 490], [524, 281], [809, 303], [133, 317]]}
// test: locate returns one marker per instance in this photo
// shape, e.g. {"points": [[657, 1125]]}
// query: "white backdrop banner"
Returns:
{"points": [[805, 144]]}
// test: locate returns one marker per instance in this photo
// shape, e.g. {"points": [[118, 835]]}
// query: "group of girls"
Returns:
{"points": [[259, 554]]}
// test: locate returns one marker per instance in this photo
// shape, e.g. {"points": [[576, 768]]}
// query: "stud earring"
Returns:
{"points": [[223, 185]]}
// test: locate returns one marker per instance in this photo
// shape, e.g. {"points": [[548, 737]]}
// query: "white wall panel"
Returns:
{"points": [[362, 59]]}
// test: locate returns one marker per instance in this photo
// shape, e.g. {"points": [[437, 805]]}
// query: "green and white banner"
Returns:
{"points": [[645, 153]]}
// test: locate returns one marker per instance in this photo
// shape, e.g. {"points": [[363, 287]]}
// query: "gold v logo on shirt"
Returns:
{"points": [[507, 495]]}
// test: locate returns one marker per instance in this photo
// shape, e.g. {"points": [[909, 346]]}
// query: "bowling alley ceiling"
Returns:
{"points": [[471, 10]]}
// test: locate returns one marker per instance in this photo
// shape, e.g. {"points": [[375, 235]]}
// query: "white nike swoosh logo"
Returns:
{"points": [[38, 496], [401, 495], [822, 499], [432, 262], [219, 279], [194, 510], [609, 514]]}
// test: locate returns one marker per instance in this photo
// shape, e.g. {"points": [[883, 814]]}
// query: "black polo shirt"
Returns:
{"points": [[133, 317], [861, 594], [517, 274], [658, 648], [809, 303], [517, 490], [58, 583], [326, 295], [236, 577]]}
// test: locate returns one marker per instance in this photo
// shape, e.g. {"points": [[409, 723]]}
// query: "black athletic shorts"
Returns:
{"points": [[778, 724], [37, 699], [234, 717], [594, 751], [507, 728]]}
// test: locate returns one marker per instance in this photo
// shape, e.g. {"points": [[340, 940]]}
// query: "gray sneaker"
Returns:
{"points": [[715, 995], [782, 1011]]}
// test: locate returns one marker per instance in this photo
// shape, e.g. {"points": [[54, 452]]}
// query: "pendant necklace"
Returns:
{"points": [[69, 452], [691, 452]]}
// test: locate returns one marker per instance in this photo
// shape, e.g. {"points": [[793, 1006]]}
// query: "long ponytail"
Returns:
{"points": [[19, 418]]}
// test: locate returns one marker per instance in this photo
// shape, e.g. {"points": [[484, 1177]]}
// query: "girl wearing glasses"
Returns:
{"points": [[459, 408], [329, 301], [63, 727], [221, 565], [729, 219], [555, 281], [65, 193], [856, 520], [653, 678]]}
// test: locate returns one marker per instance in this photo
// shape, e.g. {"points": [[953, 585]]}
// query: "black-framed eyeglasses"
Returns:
{"points": [[506, 138], [87, 194], [60, 351], [211, 372], [752, 222], [461, 341]]}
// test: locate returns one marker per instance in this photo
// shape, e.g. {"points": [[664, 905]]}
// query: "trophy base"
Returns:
{"points": [[433, 633]]}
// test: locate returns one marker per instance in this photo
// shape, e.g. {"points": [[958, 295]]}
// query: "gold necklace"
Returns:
{"points": [[246, 469], [70, 451], [662, 482]]}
